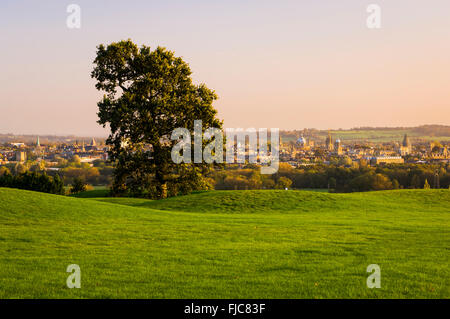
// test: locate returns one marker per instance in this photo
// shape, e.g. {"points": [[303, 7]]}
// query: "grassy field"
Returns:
{"points": [[376, 136], [226, 244]]}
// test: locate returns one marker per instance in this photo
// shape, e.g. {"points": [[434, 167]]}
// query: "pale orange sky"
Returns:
{"points": [[280, 64]]}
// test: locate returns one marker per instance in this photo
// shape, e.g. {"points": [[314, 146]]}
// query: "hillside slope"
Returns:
{"points": [[281, 201], [231, 244]]}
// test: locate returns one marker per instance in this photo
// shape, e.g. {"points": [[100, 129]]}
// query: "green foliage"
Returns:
{"points": [[57, 186], [332, 184], [88, 174], [283, 183], [148, 95], [39, 182], [4, 170], [370, 181], [337, 178], [415, 181], [37, 166], [100, 174], [20, 168], [395, 184], [78, 186]]}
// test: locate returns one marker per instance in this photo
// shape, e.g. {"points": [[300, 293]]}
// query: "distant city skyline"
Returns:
{"points": [[283, 64]]}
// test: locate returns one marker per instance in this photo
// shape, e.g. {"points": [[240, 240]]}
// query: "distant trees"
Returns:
{"points": [[33, 181], [283, 183], [332, 184], [78, 186], [100, 174], [20, 168], [370, 181], [89, 174], [337, 178], [4, 170], [38, 167], [415, 182], [395, 184]]}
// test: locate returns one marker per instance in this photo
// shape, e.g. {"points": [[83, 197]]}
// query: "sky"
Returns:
{"points": [[274, 64]]}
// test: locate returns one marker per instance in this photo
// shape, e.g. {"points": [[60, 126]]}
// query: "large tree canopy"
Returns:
{"points": [[147, 95]]}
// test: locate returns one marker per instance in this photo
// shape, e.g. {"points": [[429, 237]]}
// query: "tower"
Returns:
{"points": [[338, 147], [38, 150], [405, 148], [302, 142], [329, 142]]}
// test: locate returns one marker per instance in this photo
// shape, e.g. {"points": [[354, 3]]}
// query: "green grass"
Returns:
{"points": [[376, 136], [101, 192], [226, 244]]}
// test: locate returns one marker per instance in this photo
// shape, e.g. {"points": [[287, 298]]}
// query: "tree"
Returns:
{"points": [[38, 167], [268, 183], [426, 185], [370, 181], [283, 182], [58, 185], [415, 181], [20, 168], [345, 161], [34, 181], [76, 161], [78, 186], [148, 95], [331, 184], [395, 184], [4, 170], [381, 182]]}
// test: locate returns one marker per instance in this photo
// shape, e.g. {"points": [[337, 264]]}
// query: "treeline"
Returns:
{"points": [[97, 173], [337, 178], [33, 181], [433, 130]]}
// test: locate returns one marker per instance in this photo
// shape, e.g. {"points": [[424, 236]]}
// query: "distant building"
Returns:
{"points": [[304, 144], [405, 148], [18, 144], [329, 142], [301, 141], [92, 146], [338, 147], [439, 152], [21, 156], [376, 160]]}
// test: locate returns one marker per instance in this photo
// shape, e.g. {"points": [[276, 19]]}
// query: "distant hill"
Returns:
{"points": [[372, 134], [45, 139], [375, 134]]}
